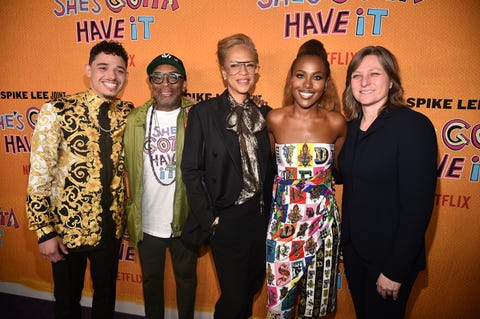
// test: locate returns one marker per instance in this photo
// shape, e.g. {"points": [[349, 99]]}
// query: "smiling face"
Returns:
{"points": [[168, 96], [239, 59], [308, 81], [108, 75], [370, 83]]}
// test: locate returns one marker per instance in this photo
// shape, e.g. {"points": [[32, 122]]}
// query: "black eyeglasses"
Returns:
{"points": [[172, 77]]}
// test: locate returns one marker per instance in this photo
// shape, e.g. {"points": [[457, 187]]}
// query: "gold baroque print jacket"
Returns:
{"points": [[64, 186]]}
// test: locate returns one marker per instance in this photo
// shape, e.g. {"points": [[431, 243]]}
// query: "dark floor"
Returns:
{"points": [[19, 307]]}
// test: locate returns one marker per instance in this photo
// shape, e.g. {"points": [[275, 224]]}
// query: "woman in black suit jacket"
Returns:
{"points": [[388, 164], [228, 171]]}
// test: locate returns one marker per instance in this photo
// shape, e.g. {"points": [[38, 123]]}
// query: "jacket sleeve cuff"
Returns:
{"points": [[45, 234]]}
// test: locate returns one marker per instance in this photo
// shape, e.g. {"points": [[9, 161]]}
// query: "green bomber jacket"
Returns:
{"points": [[134, 144]]}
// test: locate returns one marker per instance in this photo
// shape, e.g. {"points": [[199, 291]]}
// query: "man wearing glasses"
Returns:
{"points": [[157, 206]]}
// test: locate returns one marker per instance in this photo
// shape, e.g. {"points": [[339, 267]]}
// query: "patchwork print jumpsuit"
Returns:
{"points": [[303, 234]]}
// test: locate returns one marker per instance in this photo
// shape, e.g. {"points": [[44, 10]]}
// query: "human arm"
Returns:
{"points": [[193, 171], [417, 174], [43, 168], [339, 125], [272, 122]]}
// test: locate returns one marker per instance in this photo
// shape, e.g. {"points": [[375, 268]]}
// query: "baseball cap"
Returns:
{"points": [[167, 58]]}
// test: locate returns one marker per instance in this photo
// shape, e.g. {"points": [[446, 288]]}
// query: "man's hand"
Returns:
{"points": [[53, 249], [387, 287]]}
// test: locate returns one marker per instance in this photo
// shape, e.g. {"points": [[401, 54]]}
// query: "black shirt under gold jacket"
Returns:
{"points": [[64, 188]]}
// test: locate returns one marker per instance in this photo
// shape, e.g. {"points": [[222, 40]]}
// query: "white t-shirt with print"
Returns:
{"points": [[159, 172]]}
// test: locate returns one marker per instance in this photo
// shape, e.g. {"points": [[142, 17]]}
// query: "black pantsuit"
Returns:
{"points": [[369, 304], [389, 178], [212, 172], [238, 249]]}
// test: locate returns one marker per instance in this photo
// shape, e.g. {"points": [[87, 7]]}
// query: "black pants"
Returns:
{"points": [[152, 251], [362, 278], [238, 249], [69, 275]]}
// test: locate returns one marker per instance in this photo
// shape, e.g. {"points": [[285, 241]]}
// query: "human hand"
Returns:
{"points": [[53, 250], [257, 99], [191, 99], [387, 287]]}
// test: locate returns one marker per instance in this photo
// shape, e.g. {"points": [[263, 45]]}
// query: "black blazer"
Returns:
{"points": [[389, 176], [211, 162]]}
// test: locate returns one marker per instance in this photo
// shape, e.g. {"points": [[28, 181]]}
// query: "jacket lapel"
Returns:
{"points": [[229, 138]]}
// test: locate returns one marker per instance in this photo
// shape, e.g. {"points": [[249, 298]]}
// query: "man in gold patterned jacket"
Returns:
{"points": [[75, 197]]}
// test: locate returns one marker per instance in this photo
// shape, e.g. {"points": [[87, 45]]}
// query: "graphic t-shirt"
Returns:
{"points": [[159, 158]]}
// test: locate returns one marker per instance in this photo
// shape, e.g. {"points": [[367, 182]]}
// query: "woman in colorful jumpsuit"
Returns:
{"points": [[303, 233]]}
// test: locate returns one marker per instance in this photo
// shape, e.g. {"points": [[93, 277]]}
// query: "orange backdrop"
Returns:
{"points": [[45, 45]]}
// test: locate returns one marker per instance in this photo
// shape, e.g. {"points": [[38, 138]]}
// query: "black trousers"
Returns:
{"points": [[69, 275], [362, 278], [152, 251], [238, 248]]}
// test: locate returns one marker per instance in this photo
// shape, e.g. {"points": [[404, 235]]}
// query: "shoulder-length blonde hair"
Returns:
{"points": [[351, 107]]}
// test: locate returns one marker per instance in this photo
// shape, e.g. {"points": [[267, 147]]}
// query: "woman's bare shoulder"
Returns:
{"points": [[279, 114], [336, 118]]}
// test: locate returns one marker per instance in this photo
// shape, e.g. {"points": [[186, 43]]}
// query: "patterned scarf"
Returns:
{"points": [[245, 120]]}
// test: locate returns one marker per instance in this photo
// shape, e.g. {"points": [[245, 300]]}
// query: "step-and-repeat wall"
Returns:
{"points": [[45, 45]]}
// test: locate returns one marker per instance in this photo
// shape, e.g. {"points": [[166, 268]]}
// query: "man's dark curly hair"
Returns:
{"points": [[108, 47]]}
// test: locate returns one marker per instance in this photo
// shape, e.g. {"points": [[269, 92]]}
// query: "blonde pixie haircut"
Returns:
{"points": [[229, 42]]}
